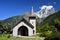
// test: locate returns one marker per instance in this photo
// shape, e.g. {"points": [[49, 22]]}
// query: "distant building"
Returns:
{"points": [[24, 27]]}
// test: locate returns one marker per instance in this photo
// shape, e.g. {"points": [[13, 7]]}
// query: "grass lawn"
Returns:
{"points": [[5, 37]]}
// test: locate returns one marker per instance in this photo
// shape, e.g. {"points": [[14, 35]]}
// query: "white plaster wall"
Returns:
{"points": [[15, 29], [33, 22]]}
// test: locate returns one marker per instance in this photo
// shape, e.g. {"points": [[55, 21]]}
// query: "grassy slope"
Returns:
{"points": [[5, 37]]}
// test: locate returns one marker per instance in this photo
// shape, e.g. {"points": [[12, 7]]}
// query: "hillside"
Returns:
{"points": [[50, 19], [15, 19], [51, 23]]}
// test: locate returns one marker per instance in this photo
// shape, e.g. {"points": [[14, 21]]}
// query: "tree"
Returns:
{"points": [[1, 27], [8, 28], [57, 24]]}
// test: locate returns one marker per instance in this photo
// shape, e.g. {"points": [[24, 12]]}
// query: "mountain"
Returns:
{"points": [[52, 21], [13, 20], [45, 11], [40, 21]]}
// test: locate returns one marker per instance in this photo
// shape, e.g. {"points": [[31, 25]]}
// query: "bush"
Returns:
{"points": [[54, 36], [46, 34]]}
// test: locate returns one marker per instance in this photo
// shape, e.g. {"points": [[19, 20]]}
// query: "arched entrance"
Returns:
{"points": [[23, 31]]}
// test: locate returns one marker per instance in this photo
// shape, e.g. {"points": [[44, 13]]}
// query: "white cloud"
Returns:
{"points": [[45, 11], [46, 7], [49, 7], [43, 7]]}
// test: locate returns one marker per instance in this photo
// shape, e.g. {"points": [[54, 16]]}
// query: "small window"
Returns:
{"points": [[33, 31]]}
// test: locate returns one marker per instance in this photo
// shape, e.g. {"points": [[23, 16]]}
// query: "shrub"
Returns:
{"points": [[46, 34], [54, 36]]}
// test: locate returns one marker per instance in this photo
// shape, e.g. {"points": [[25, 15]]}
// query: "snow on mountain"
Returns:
{"points": [[45, 11]]}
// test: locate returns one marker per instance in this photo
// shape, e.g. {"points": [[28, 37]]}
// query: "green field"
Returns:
{"points": [[5, 37]]}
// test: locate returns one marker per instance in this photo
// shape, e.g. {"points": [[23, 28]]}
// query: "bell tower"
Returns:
{"points": [[32, 20]]}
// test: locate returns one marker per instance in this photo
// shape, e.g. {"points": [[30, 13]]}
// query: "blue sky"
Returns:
{"points": [[9, 8]]}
